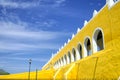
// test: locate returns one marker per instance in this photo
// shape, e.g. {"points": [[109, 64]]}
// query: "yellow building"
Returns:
{"points": [[92, 53]]}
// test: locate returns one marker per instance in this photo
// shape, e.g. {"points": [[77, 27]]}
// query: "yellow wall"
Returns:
{"points": [[104, 64], [106, 19]]}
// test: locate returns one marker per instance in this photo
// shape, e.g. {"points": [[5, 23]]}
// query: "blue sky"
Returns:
{"points": [[34, 29]]}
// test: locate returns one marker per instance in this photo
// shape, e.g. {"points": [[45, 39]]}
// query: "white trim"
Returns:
{"points": [[77, 54], [95, 13], [78, 30], [68, 40], [68, 71], [93, 17], [73, 36], [62, 47], [64, 44], [56, 74], [111, 3], [85, 22], [94, 41], [82, 29]]}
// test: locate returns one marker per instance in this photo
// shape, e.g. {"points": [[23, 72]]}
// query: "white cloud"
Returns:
{"points": [[14, 34], [48, 23], [28, 4], [60, 1], [23, 59], [17, 36], [26, 46], [11, 4], [21, 30]]}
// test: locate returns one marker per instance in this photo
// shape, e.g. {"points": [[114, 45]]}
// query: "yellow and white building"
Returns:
{"points": [[92, 53]]}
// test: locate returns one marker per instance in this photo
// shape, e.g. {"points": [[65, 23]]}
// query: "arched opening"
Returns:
{"points": [[57, 64], [54, 65], [74, 54], [69, 57], [98, 42], [62, 61], [87, 46], [65, 58], [80, 50]]}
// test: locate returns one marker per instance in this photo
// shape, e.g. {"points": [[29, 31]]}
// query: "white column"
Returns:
{"points": [[77, 54], [68, 60], [64, 60], [85, 50], [72, 57], [61, 62], [94, 45], [57, 65]]}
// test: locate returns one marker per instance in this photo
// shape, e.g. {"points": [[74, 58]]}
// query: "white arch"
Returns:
{"points": [[80, 50], [77, 54], [87, 47], [94, 39]]}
